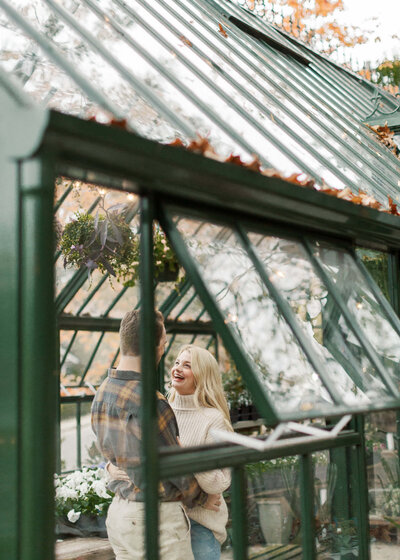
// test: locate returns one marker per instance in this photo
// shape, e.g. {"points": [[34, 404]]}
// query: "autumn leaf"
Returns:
{"points": [[120, 123], [186, 41], [235, 160], [392, 207], [177, 143], [222, 31], [254, 165]]}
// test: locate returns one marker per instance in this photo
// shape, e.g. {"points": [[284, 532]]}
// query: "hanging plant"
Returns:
{"points": [[166, 265], [107, 243]]}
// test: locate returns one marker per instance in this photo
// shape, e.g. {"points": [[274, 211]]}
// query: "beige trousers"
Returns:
{"points": [[125, 527]]}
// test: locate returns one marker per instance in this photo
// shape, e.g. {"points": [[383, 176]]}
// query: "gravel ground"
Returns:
{"points": [[379, 551]]}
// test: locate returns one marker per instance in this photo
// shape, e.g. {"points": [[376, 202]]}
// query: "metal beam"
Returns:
{"points": [[196, 179]]}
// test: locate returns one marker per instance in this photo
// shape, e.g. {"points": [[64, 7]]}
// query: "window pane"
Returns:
{"points": [[290, 269], [252, 314], [370, 316]]}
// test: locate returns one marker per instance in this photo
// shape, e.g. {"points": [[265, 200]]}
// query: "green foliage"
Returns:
{"points": [[339, 536], [107, 243], [388, 73], [391, 504], [235, 390]]}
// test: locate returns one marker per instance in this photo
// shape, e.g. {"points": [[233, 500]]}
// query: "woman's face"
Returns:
{"points": [[182, 377]]}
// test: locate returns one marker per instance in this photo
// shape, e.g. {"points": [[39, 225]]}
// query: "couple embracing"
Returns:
{"points": [[192, 511]]}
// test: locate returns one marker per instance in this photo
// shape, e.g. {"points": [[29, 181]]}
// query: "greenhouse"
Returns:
{"points": [[190, 157]]}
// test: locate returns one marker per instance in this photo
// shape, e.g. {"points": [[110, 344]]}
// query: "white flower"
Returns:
{"points": [[66, 493], [73, 515], [100, 489], [83, 488]]}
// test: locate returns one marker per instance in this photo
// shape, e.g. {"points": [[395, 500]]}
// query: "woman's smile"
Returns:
{"points": [[182, 378]]}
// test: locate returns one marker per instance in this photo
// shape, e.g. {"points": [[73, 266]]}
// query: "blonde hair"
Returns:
{"points": [[208, 381]]}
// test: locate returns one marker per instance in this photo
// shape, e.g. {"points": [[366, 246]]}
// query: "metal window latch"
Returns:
{"points": [[275, 440]]}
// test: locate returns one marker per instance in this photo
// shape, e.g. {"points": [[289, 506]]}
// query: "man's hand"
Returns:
{"points": [[116, 473], [213, 502]]}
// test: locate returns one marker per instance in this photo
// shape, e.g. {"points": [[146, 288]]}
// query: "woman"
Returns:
{"points": [[198, 401]]}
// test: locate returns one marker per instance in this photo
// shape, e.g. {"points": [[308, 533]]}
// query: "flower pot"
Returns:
{"points": [[168, 275], [85, 526], [275, 520], [244, 412]]}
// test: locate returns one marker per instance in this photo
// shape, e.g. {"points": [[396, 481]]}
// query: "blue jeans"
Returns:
{"points": [[204, 545]]}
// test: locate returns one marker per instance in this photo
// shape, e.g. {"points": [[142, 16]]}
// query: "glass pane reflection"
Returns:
{"points": [[290, 269], [370, 316], [253, 315]]}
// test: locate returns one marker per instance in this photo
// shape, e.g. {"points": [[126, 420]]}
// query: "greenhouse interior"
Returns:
{"points": [[189, 157]]}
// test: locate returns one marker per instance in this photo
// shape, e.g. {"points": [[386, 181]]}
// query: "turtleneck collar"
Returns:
{"points": [[183, 401]]}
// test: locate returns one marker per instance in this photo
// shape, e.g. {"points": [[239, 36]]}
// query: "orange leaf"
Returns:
{"points": [[222, 31], [201, 146], [235, 160], [177, 143], [121, 123], [393, 207], [186, 41], [254, 165]]}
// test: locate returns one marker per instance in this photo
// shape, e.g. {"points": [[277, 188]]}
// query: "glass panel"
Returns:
{"points": [[336, 525], [69, 437], [252, 314], [103, 358], [78, 357], [377, 264], [383, 468], [370, 316], [290, 269], [273, 510]]}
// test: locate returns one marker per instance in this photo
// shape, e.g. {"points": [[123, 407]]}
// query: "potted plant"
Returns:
{"points": [[238, 396], [82, 501], [273, 487], [107, 243], [339, 540]]}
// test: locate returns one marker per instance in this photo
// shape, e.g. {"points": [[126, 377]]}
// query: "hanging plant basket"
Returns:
{"points": [[107, 243]]}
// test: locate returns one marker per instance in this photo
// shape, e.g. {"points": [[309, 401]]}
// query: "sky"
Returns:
{"points": [[380, 16]]}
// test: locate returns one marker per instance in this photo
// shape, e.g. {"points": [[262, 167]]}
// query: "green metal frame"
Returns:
{"points": [[158, 173]]}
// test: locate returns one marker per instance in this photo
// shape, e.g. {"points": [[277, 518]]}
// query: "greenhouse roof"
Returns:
{"points": [[181, 68], [304, 322]]}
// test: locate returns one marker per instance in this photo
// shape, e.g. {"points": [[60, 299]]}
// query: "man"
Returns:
{"points": [[116, 423]]}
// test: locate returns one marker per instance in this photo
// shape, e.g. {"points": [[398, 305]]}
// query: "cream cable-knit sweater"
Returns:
{"points": [[194, 429]]}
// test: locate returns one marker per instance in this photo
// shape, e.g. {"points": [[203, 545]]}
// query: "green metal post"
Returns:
{"points": [[307, 506], [341, 498], [39, 379], [239, 514], [360, 490], [150, 467], [58, 409], [394, 294], [78, 436]]}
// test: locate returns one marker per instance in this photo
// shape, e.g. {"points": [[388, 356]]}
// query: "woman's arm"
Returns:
{"points": [[219, 480]]}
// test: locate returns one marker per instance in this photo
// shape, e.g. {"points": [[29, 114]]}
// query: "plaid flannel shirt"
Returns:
{"points": [[117, 425]]}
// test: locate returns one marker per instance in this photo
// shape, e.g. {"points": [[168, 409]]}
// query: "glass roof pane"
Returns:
{"points": [[250, 311], [290, 269], [103, 359], [174, 73], [78, 357], [189, 308], [369, 314]]}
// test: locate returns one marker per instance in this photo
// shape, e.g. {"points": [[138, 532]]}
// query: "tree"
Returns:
{"points": [[311, 21]]}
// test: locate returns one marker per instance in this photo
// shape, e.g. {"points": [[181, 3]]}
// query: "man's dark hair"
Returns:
{"points": [[129, 332]]}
